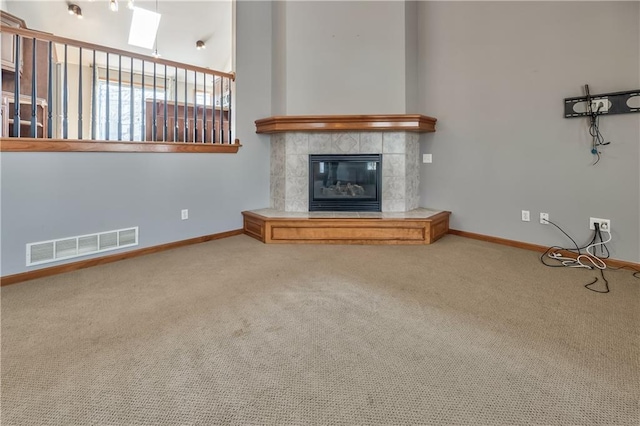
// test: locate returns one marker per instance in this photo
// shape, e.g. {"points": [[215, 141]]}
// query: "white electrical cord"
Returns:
{"points": [[590, 257], [569, 262]]}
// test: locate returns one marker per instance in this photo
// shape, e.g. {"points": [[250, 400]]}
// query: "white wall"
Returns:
{"points": [[495, 75], [344, 57]]}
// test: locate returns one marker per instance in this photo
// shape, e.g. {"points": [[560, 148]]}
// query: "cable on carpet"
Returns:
{"points": [[588, 260]]}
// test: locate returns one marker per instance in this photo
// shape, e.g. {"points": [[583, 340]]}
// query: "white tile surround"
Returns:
{"points": [[290, 165]]}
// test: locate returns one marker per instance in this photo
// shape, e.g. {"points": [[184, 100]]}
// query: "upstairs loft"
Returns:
{"points": [[60, 94]]}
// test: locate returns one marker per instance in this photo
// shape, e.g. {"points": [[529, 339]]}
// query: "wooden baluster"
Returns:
{"points": [[80, 94], [34, 93], [16, 91]]}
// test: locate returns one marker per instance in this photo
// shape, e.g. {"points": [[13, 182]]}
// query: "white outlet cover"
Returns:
{"points": [[593, 220], [544, 218], [596, 102], [427, 158]]}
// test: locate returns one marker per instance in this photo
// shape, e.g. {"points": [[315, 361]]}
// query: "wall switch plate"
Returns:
{"points": [[525, 216], [427, 158], [184, 214], [544, 218], [605, 224]]}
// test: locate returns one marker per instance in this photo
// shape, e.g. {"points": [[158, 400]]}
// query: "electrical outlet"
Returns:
{"points": [[605, 224], [600, 105], [184, 214], [525, 216], [544, 218], [427, 158]]}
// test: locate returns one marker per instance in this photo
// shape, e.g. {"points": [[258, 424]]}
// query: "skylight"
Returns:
{"points": [[144, 26]]}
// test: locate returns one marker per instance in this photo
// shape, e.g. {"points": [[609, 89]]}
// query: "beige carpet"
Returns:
{"points": [[237, 332]]}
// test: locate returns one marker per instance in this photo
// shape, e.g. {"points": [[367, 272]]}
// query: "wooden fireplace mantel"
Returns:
{"points": [[341, 123]]}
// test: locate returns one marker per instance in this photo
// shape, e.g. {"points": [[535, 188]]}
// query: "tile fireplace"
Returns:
{"points": [[345, 179], [290, 153]]}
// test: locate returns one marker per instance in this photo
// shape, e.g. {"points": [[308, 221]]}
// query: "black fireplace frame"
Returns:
{"points": [[352, 205]]}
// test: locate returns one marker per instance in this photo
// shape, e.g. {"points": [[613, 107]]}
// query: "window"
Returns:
{"points": [[110, 132], [202, 96], [208, 96]]}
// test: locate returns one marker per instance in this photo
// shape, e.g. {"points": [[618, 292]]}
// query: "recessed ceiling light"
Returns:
{"points": [[144, 27], [200, 45]]}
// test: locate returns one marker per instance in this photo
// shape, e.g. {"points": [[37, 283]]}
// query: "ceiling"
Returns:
{"points": [[183, 22]]}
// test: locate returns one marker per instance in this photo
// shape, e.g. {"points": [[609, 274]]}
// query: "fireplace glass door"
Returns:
{"points": [[345, 182]]}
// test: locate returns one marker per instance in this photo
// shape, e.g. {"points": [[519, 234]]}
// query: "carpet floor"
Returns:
{"points": [[233, 331]]}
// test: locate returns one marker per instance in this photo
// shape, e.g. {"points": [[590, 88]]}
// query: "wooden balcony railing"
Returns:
{"points": [[60, 94]]}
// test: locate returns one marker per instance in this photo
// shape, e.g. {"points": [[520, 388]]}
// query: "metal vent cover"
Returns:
{"points": [[41, 252], [81, 245]]}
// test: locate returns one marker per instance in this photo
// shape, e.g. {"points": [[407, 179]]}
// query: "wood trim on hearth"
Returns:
{"points": [[291, 230], [341, 123]]}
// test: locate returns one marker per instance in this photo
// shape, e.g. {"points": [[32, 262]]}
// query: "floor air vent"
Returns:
{"points": [[82, 245]]}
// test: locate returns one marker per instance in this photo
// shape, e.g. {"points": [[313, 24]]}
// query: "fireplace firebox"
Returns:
{"points": [[345, 182]]}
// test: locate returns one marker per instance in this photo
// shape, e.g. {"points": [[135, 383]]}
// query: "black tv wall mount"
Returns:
{"points": [[618, 102]]}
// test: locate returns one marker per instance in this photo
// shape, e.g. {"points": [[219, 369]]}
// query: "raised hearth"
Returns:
{"points": [[419, 226]]}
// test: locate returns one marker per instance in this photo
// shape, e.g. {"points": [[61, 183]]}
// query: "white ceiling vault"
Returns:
{"points": [[183, 22]]}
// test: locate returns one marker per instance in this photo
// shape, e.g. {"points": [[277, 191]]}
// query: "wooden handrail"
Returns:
{"points": [[75, 43], [75, 145]]}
